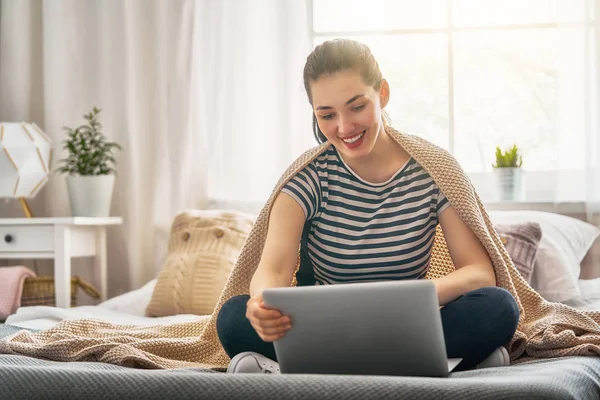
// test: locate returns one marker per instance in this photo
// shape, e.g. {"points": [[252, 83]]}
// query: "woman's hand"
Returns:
{"points": [[269, 323]]}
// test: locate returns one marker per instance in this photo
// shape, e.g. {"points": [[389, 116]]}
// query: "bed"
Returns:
{"points": [[25, 377], [559, 378]]}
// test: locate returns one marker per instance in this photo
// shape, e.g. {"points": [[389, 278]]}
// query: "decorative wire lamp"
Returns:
{"points": [[25, 160]]}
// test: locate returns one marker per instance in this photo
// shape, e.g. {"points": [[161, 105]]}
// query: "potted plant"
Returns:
{"points": [[90, 167], [509, 174]]}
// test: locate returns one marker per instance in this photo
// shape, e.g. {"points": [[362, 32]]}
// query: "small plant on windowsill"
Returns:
{"points": [[90, 166], [509, 158], [509, 174]]}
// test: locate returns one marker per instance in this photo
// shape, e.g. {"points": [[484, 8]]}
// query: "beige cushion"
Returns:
{"points": [[203, 248]]}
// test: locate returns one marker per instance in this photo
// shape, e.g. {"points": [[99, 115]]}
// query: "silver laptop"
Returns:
{"points": [[379, 328]]}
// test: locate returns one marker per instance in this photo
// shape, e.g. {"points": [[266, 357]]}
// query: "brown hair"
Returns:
{"points": [[338, 55]]}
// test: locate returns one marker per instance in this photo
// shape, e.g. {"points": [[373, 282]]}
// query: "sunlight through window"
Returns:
{"points": [[473, 74]]}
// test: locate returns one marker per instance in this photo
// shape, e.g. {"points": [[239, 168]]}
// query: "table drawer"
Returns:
{"points": [[19, 238]]}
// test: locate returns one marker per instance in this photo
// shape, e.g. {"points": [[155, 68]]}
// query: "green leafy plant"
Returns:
{"points": [[89, 151], [510, 158]]}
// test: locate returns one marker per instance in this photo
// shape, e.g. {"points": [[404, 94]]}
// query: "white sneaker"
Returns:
{"points": [[499, 358], [250, 362]]}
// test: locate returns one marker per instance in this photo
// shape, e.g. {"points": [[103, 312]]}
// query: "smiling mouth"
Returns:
{"points": [[354, 138]]}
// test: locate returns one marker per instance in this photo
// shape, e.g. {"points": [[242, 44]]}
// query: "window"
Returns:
{"points": [[469, 75]]}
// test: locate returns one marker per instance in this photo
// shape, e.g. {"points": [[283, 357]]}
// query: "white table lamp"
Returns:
{"points": [[25, 161]]}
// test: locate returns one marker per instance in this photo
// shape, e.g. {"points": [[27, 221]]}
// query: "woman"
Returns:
{"points": [[365, 210]]}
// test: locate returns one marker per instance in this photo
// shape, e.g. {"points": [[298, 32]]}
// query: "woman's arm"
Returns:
{"points": [[276, 267], [474, 268], [278, 261]]}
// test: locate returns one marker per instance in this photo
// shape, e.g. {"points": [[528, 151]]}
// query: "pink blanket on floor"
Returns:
{"points": [[11, 288]]}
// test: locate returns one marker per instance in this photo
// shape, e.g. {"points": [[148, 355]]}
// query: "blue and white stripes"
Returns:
{"points": [[362, 231]]}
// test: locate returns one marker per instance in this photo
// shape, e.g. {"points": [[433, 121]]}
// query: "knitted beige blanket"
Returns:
{"points": [[545, 329]]}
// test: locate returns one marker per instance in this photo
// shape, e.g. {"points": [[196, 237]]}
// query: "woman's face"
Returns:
{"points": [[349, 111]]}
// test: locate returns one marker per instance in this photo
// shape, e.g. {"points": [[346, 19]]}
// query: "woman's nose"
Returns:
{"points": [[345, 126]]}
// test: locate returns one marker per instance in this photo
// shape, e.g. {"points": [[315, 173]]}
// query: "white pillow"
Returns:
{"points": [[551, 276], [133, 302], [590, 289], [565, 242]]}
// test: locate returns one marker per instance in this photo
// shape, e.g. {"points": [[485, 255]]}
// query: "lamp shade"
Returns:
{"points": [[25, 159]]}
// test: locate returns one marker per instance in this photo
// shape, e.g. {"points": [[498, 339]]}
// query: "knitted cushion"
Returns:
{"points": [[203, 248], [522, 242]]}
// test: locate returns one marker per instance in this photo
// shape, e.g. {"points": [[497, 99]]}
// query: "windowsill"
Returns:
{"points": [[565, 207], [551, 191]]}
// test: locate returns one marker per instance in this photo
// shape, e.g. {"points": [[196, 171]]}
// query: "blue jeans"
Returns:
{"points": [[475, 324]]}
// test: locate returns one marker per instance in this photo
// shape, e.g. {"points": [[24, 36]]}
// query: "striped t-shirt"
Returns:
{"points": [[362, 231]]}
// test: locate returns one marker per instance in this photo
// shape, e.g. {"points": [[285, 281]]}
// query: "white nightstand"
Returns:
{"points": [[60, 239]]}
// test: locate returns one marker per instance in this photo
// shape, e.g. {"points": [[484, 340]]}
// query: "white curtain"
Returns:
{"points": [[592, 182], [205, 97], [134, 60], [260, 118]]}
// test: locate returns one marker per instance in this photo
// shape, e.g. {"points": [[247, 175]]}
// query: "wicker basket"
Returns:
{"points": [[39, 291]]}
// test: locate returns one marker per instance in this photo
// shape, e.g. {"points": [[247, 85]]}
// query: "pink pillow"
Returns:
{"points": [[522, 242], [11, 288]]}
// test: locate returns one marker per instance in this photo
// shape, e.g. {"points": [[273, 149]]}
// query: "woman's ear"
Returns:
{"points": [[384, 93]]}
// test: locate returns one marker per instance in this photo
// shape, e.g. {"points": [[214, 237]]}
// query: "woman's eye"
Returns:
{"points": [[327, 116], [358, 108]]}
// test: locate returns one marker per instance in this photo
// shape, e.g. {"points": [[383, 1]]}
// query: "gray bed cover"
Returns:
{"points": [[28, 378]]}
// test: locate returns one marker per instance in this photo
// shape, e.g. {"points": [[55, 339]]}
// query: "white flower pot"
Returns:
{"points": [[509, 184], [90, 196]]}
